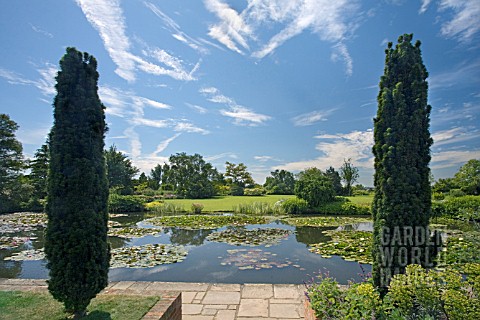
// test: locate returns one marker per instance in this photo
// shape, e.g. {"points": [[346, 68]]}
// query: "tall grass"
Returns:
{"points": [[258, 208], [167, 208]]}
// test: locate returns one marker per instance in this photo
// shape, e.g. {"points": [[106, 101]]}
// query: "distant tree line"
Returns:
{"points": [[23, 183]]}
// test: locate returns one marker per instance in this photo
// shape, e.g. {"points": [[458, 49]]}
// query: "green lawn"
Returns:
{"points": [[362, 199], [226, 203], [31, 306]]}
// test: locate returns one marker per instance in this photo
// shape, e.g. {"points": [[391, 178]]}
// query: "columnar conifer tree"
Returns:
{"points": [[402, 202], [76, 237]]}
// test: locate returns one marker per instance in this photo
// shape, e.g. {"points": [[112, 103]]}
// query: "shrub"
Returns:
{"points": [[326, 298], [457, 207], [254, 192], [295, 206], [236, 190], [456, 193], [197, 208], [343, 207], [438, 196], [119, 203]]}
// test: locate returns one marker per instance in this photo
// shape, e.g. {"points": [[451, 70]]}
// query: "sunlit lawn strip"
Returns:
{"points": [[32, 306], [227, 203]]}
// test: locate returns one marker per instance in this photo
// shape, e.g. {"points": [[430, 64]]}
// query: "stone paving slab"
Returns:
{"points": [[206, 301]]}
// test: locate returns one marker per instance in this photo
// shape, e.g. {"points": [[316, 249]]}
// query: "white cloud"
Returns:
{"points": [[198, 109], [424, 7], [244, 116], [464, 25], [308, 119], [467, 71], [135, 143], [232, 29], [106, 16], [150, 123], [240, 114], [46, 82], [454, 135], [41, 31], [164, 144], [334, 148], [221, 156], [175, 29], [330, 20], [263, 158], [448, 159], [33, 136], [188, 127]]}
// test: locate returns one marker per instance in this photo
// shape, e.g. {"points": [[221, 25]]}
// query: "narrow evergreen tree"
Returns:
{"points": [[76, 237], [402, 202]]}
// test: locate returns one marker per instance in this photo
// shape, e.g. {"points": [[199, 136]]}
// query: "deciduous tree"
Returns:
{"points": [[314, 187], [349, 175]]}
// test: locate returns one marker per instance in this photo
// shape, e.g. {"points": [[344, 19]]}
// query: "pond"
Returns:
{"points": [[268, 252]]}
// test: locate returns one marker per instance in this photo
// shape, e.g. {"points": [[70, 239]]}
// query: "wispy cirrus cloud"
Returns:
{"points": [[424, 7], [464, 25], [330, 20], [175, 29], [452, 158], [334, 148], [232, 31], [46, 82], [164, 144], [455, 135], [106, 16], [241, 115], [215, 157], [41, 31], [465, 72], [198, 109], [310, 118]]}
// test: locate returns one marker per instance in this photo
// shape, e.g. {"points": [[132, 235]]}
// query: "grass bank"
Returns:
{"points": [[39, 305], [225, 204]]}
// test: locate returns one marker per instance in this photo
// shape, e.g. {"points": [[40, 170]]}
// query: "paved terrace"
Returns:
{"points": [[207, 301]]}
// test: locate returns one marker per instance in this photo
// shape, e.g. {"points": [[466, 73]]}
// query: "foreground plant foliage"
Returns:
{"points": [[417, 294]]}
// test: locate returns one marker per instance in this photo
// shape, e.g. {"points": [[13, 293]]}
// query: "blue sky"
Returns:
{"points": [[275, 84]]}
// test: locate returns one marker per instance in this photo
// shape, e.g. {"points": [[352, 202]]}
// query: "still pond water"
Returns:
{"points": [[287, 261]]}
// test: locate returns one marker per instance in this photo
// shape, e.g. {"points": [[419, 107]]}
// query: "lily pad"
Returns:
{"points": [[21, 222], [129, 232], [206, 221], [27, 255], [253, 259], [254, 237], [147, 256], [13, 242], [350, 245], [324, 221]]}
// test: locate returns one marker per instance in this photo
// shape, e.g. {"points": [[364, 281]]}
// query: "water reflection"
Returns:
{"points": [[309, 235], [361, 226], [187, 237]]}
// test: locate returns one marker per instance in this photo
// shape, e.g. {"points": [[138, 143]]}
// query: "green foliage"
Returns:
{"points": [[295, 206], [334, 176], [349, 175], [402, 155], [120, 171], [191, 176], [236, 190], [120, 203], [39, 171], [165, 207], [197, 208], [239, 174], [258, 208], [280, 182], [314, 187], [11, 165], [458, 207], [343, 208], [206, 221], [417, 294], [253, 192], [468, 177], [76, 244]]}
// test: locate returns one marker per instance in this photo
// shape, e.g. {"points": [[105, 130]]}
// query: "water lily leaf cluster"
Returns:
{"points": [[253, 237], [462, 252], [206, 221], [13, 242], [22, 222], [147, 256], [350, 245], [27, 255], [324, 221], [256, 259], [132, 232]]}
